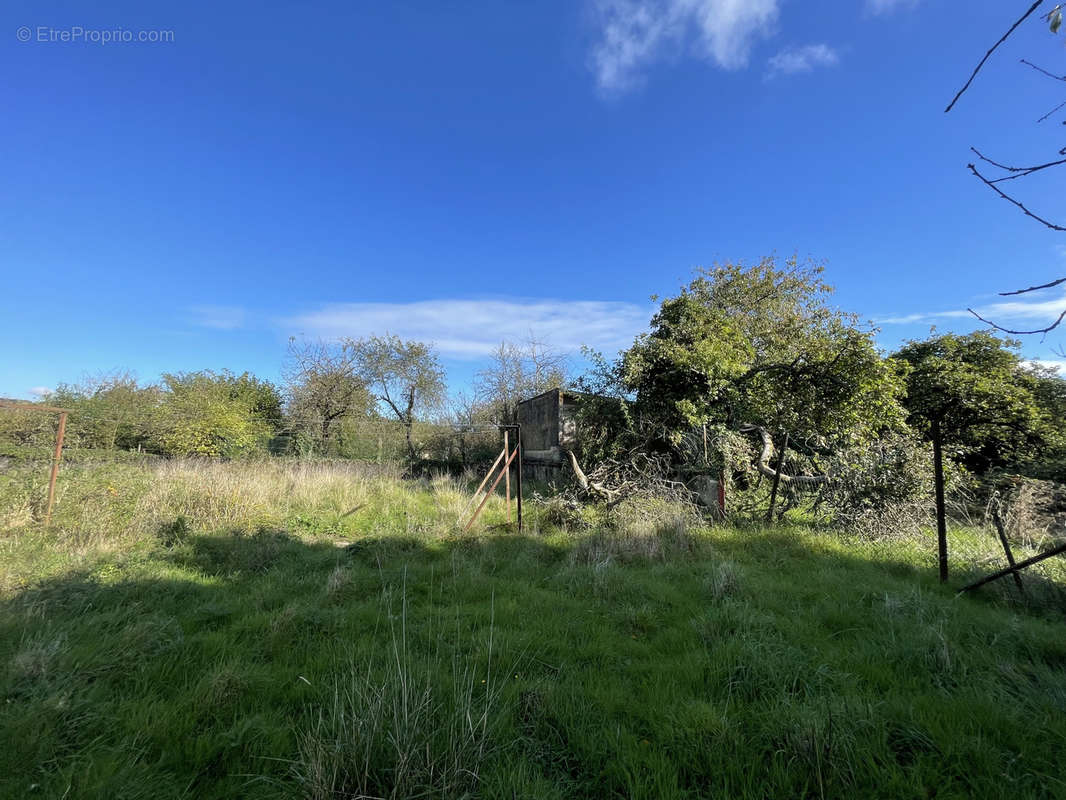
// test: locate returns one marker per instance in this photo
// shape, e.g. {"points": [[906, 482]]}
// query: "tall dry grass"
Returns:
{"points": [[100, 506]]}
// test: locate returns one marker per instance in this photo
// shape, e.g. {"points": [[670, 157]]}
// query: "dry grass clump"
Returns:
{"points": [[642, 529], [244, 497]]}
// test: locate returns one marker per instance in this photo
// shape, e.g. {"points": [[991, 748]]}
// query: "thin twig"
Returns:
{"points": [[977, 69], [1010, 199], [1048, 329], [1034, 288], [1019, 172], [1041, 69], [1052, 111]]}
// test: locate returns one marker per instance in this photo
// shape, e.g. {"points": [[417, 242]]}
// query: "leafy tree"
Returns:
{"points": [[110, 411], [405, 377], [215, 414], [762, 346], [983, 396], [323, 389]]}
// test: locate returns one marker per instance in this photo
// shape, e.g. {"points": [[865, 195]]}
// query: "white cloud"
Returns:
{"points": [[888, 6], [223, 318], [473, 328], [1049, 364], [636, 33], [1038, 308], [40, 391], [794, 59]]}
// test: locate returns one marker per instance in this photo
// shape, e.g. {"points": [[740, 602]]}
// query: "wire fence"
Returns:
{"points": [[30, 458]]}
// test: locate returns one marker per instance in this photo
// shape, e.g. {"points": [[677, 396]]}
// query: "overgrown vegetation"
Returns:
{"points": [[749, 377], [290, 628]]}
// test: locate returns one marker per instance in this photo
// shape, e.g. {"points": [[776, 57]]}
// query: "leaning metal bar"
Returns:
{"points": [[492, 489], [488, 475], [1054, 551], [517, 428]]}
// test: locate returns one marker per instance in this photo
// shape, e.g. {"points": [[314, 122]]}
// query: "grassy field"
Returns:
{"points": [[313, 630]]}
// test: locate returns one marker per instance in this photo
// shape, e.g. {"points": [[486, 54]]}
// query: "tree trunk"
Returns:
{"points": [[763, 462]]}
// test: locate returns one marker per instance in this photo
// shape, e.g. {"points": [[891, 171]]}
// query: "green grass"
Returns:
{"points": [[196, 631]]}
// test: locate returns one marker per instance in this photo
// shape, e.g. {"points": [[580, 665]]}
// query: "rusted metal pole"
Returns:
{"points": [[1054, 551], [777, 479], [941, 514], [507, 471], [488, 475], [488, 494], [55, 466], [518, 449], [1002, 531]]}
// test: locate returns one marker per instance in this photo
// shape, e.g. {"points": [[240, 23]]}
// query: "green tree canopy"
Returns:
{"points": [[216, 413], [110, 411], [762, 345], [993, 409]]}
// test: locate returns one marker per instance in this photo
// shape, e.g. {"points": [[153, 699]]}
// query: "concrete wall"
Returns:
{"points": [[547, 422]]}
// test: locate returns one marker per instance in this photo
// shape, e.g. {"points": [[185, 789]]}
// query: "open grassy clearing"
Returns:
{"points": [[195, 630]]}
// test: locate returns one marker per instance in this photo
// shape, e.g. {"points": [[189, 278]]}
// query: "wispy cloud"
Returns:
{"points": [[636, 33], [1050, 364], [1033, 308], [473, 328], [795, 59], [40, 391], [888, 6], [223, 318]]}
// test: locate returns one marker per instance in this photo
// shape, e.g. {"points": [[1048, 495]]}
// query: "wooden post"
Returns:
{"points": [[55, 466], [777, 479], [941, 514], [705, 444], [507, 482]]}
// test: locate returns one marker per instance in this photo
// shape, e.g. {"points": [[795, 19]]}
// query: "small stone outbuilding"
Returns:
{"points": [[549, 426]]}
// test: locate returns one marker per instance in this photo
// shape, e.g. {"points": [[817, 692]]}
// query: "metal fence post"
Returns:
{"points": [[507, 481], [941, 514]]}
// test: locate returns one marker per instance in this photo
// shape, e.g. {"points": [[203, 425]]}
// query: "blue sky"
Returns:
{"points": [[465, 172]]}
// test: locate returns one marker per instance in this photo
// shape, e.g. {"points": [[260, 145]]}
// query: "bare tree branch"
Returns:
{"points": [[1041, 69], [1010, 199], [1019, 172], [1051, 112], [1048, 329], [977, 69], [1034, 288]]}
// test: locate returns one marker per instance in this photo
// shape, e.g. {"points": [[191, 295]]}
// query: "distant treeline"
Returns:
{"points": [[376, 399]]}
